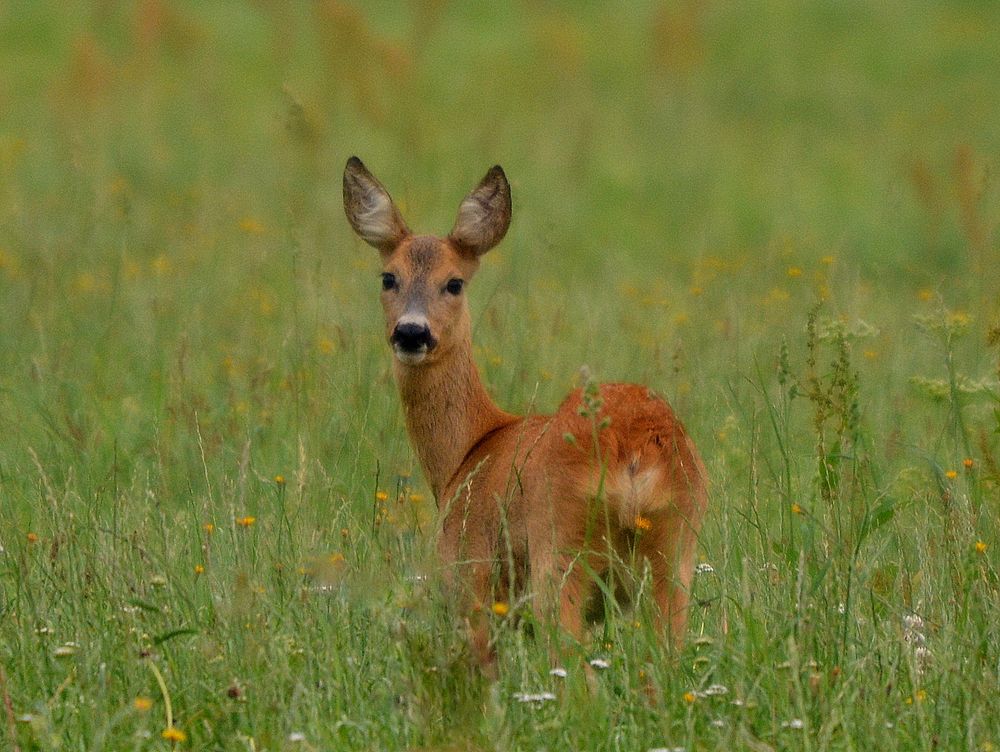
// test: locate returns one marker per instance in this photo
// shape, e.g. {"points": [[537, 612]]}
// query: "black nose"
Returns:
{"points": [[412, 337]]}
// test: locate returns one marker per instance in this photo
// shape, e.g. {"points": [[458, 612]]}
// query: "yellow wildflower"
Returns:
{"points": [[381, 495], [247, 521], [162, 265], [32, 537], [417, 498], [776, 295], [951, 474], [981, 547], [252, 226], [174, 734], [794, 271], [959, 318], [199, 569], [689, 697], [142, 704], [501, 609], [796, 509], [279, 479], [968, 463], [643, 523], [208, 527], [86, 282]]}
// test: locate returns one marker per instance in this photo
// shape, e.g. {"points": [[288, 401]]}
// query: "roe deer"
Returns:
{"points": [[548, 503]]}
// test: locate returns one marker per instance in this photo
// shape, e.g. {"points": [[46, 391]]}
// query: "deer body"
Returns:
{"points": [[538, 503]]}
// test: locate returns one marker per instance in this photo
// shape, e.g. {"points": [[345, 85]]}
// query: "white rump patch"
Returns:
{"points": [[635, 493]]}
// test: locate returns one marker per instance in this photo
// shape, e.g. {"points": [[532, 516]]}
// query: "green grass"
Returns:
{"points": [[782, 215]]}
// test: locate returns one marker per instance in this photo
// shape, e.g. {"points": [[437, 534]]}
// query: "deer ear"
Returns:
{"points": [[370, 209], [484, 216]]}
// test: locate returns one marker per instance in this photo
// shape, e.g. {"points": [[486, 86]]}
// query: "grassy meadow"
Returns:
{"points": [[781, 215]]}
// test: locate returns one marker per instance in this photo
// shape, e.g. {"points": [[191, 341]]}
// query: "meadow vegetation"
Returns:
{"points": [[783, 216]]}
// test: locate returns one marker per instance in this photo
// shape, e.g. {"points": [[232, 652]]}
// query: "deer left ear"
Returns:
{"points": [[484, 216], [370, 208]]}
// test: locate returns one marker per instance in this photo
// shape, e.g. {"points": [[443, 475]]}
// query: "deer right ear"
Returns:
{"points": [[484, 216], [370, 209]]}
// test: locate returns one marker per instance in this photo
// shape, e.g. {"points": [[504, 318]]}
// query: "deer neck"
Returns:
{"points": [[448, 412]]}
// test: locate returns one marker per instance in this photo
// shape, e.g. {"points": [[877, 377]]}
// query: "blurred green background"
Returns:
{"points": [[695, 171]]}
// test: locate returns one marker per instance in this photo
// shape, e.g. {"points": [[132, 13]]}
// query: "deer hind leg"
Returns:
{"points": [[669, 548]]}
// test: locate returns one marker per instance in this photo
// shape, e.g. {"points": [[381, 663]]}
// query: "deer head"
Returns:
{"points": [[424, 276]]}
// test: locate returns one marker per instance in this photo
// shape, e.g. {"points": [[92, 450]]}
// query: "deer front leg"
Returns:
{"points": [[477, 620], [560, 589], [468, 580]]}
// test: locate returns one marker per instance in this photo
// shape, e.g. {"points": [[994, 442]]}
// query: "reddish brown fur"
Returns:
{"points": [[531, 501]]}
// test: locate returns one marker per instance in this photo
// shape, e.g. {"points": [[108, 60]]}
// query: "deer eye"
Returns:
{"points": [[454, 286], [389, 281]]}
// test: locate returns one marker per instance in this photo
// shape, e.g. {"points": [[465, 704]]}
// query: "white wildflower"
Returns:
{"points": [[913, 623], [296, 736], [716, 689], [913, 634], [536, 698], [558, 672], [704, 568], [599, 663], [795, 723]]}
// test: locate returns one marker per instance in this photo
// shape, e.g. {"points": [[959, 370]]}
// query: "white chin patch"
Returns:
{"points": [[410, 358]]}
